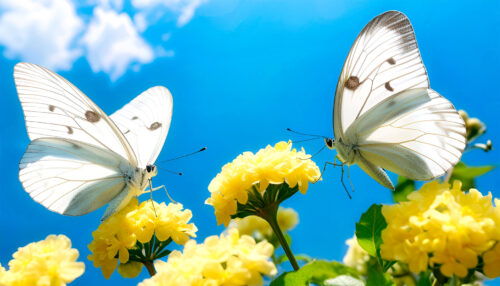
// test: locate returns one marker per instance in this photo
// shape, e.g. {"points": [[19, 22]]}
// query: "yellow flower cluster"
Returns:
{"points": [[230, 259], [254, 225], [48, 262], [445, 227], [356, 257], [272, 165], [135, 222]]}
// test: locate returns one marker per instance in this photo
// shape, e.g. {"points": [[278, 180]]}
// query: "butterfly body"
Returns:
{"points": [[385, 116], [80, 159], [346, 152]]}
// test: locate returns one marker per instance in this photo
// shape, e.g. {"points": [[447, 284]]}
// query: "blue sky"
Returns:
{"points": [[240, 73]]}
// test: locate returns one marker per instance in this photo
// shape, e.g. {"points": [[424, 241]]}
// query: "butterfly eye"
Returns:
{"points": [[149, 168], [329, 142]]}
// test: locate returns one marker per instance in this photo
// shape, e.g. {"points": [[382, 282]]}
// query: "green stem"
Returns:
{"points": [[150, 267], [270, 215]]}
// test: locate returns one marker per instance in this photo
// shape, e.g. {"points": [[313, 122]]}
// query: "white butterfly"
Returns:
{"points": [[385, 115], [80, 159]]}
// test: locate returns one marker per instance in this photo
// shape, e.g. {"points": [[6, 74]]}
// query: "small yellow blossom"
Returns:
{"points": [[356, 257], [48, 262], [442, 226], [491, 261], [130, 269], [474, 127], [138, 223], [272, 165], [260, 228], [230, 259]]}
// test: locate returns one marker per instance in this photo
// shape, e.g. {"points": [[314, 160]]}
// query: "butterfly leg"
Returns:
{"points": [[324, 168], [151, 192], [342, 181], [168, 195], [349, 177]]}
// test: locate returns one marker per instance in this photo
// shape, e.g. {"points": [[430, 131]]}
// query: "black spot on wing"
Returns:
{"points": [[52, 108], [135, 118], [391, 61], [154, 126], [70, 130], [388, 86], [352, 82], [92, 116]]}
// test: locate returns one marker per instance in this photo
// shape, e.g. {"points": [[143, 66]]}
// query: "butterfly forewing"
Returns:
{"points": [[383, 61], [53, 107], [145, 122]]}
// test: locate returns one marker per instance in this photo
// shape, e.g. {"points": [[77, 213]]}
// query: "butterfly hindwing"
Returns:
{"points": [[71, 177], [383, 61], [416, 133]]}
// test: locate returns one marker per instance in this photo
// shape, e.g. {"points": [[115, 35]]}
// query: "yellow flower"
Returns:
{"points": [[137, 223], [442, 226], [48, 262], [491, 261], [288, 218], [130, 269], [272, 165], [259, 228], [230, 259], [356, 257]]}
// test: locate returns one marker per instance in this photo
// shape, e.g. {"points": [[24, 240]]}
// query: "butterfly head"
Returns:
{"points": [[330, 143], [151, 170]]}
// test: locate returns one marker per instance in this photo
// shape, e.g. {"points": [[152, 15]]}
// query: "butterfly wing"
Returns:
{"points": [[145, 122], [53, 107], [71, 177], [416, 133], [383, 61]]}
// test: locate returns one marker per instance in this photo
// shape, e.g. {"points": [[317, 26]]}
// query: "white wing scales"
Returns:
{"points": [[385, 111], [79, 160], [145, 122], [71, 177], [384, 60], [53, 107]]}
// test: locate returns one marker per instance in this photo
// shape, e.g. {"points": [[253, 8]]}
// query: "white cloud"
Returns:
{"points": [[140, 22], [183, 9], [187, 12], [112, 43], [40, 31], [52, 34]]}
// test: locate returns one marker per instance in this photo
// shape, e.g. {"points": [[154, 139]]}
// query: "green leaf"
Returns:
{"points": [[465, 171], [369, 230], [424, 279], [404, 187], [378, 278], [298, 257], [315, 272], [162, 254], [344, 280], [467, 174]]}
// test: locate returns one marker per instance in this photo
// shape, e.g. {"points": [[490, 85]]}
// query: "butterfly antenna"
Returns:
{"points": [[305, 134], [170, 171], [304, 140], [192, 153]]}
